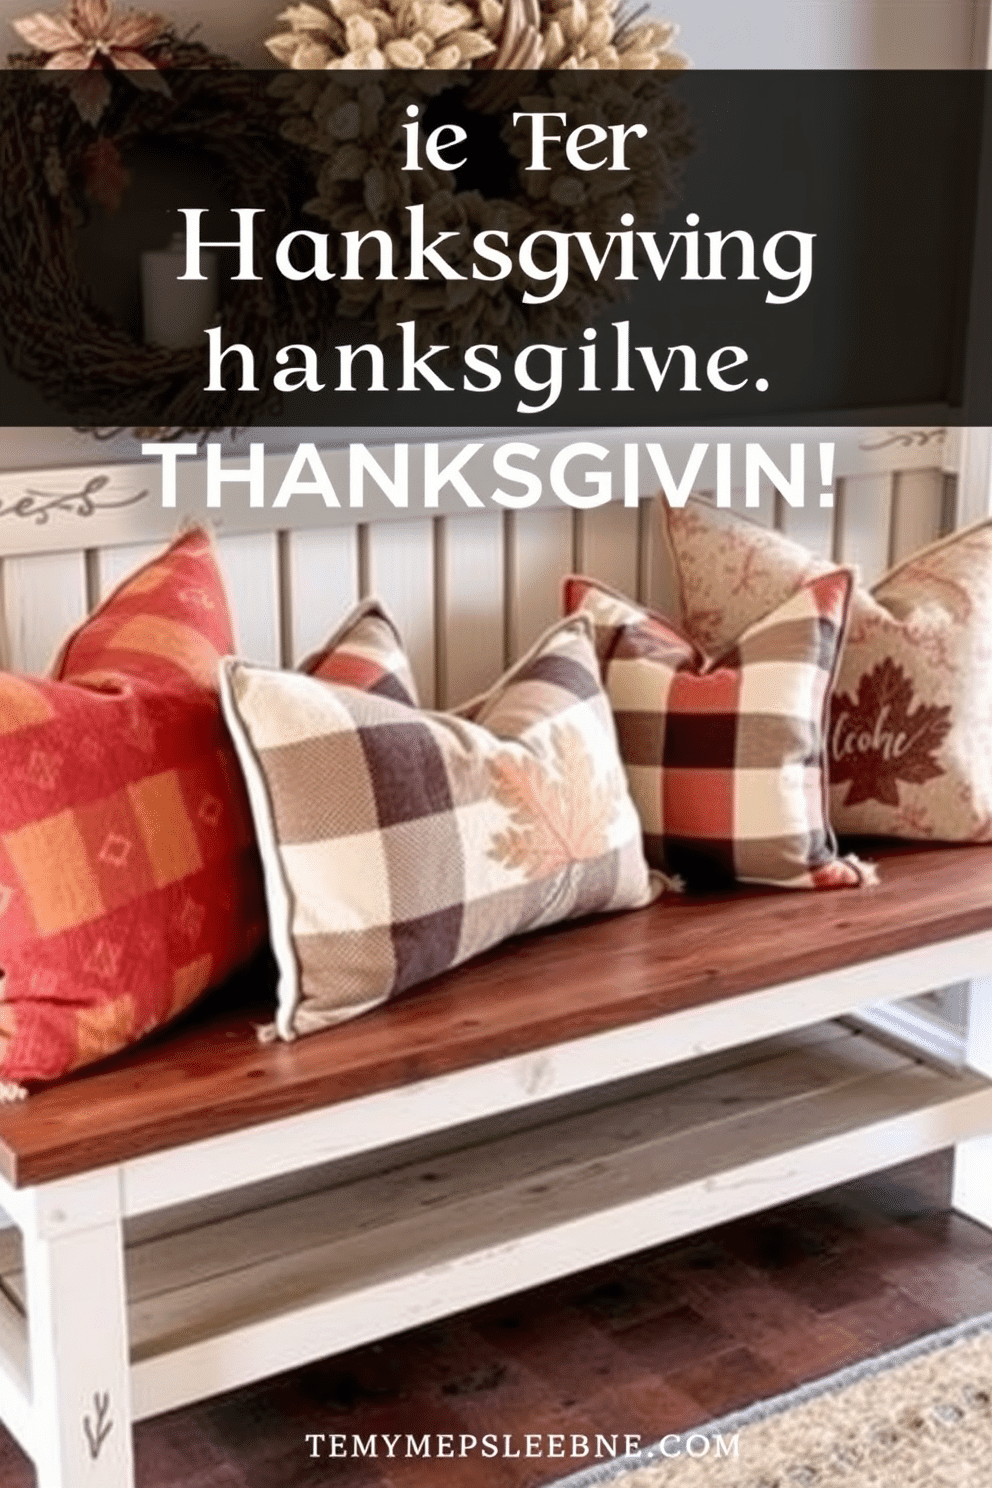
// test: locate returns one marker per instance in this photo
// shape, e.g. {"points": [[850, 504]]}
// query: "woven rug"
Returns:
{"points": [[919, 1417]]}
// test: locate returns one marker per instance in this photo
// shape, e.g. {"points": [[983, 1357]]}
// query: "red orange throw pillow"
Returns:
{"points": [[129, 879]]}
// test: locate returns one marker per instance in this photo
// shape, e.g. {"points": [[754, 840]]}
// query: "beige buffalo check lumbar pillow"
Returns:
{"points": [[397, 843], [910, 735]]}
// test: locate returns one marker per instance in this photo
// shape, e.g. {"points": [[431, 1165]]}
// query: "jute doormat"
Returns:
{"points": [[919, 1417]]}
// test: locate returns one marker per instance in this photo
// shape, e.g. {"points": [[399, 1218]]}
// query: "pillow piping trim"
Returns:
{"points": [[278, 896], [948, 540], [828, 693]]}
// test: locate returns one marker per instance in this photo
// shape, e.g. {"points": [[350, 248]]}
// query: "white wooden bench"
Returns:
{"points": [[206, 1210]]}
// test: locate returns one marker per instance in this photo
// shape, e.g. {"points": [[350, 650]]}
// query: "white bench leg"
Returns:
{"points": [[972, 1190], [77, 1333]]}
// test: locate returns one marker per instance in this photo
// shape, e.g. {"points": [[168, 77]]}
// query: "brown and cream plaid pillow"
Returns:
{"points": [[397, 843], [726, 756]]}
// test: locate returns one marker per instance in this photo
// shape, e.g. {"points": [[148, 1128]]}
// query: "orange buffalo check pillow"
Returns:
{"points": [[129, 879], [366, 651], [725, 756], [910, 735]]}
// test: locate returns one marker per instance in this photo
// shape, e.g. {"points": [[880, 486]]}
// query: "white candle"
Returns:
{"points": [[176, 312]]}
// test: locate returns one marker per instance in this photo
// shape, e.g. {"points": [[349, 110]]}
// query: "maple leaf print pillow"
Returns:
{"points": [[910, 735], [397, 843]]}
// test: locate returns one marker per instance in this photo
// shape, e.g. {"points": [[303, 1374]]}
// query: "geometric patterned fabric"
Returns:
{"points": [[129, 879]]}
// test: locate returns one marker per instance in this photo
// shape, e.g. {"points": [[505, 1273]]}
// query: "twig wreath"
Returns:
{"points": [[63, 149], [321, 139]]}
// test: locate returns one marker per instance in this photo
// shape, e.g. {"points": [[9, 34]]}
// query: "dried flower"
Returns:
{"points": [[415, 34], [105, 175], [351, 123], [89, 39], [600, 35], [408, 34], [351, 128]]}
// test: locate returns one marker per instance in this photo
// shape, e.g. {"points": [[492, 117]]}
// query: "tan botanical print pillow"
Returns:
{"points": [[397, 843], [910, 742]]}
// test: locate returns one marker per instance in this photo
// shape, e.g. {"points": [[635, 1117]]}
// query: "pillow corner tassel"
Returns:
{"points": [[867, 872], [267, 1033], [665, 883]]}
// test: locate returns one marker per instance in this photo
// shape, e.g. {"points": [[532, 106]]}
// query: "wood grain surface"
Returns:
{"points": [[210, 1074]]}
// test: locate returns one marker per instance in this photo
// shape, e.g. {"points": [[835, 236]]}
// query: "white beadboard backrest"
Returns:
{"points": [[470, 589]]}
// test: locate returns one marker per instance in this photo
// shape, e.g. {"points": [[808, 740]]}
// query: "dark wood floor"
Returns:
{"points": [[646, 1346]]}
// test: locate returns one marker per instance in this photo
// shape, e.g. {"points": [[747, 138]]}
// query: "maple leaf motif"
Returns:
{"points": [[560, 816], [879, 738]]}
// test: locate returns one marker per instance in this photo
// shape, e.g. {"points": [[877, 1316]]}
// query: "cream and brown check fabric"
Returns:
{"points": [[726, 756], [398, 843]]}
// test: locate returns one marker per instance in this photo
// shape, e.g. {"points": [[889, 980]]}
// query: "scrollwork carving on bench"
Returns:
{"points": [[908, 439], [39, 504]]}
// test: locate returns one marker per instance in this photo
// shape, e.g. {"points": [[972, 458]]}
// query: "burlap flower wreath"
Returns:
{"points": [[63, 152], [351, 123], [517, 34]]}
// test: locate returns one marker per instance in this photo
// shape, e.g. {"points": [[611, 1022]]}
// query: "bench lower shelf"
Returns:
{"points": [[231, 1297]]}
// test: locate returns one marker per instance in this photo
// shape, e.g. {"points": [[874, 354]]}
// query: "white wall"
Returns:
{"points": [[827, 33]]}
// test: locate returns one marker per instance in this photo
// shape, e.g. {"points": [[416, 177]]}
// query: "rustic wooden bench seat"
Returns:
{"points": [[212, 1075], [209, 1209]]}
